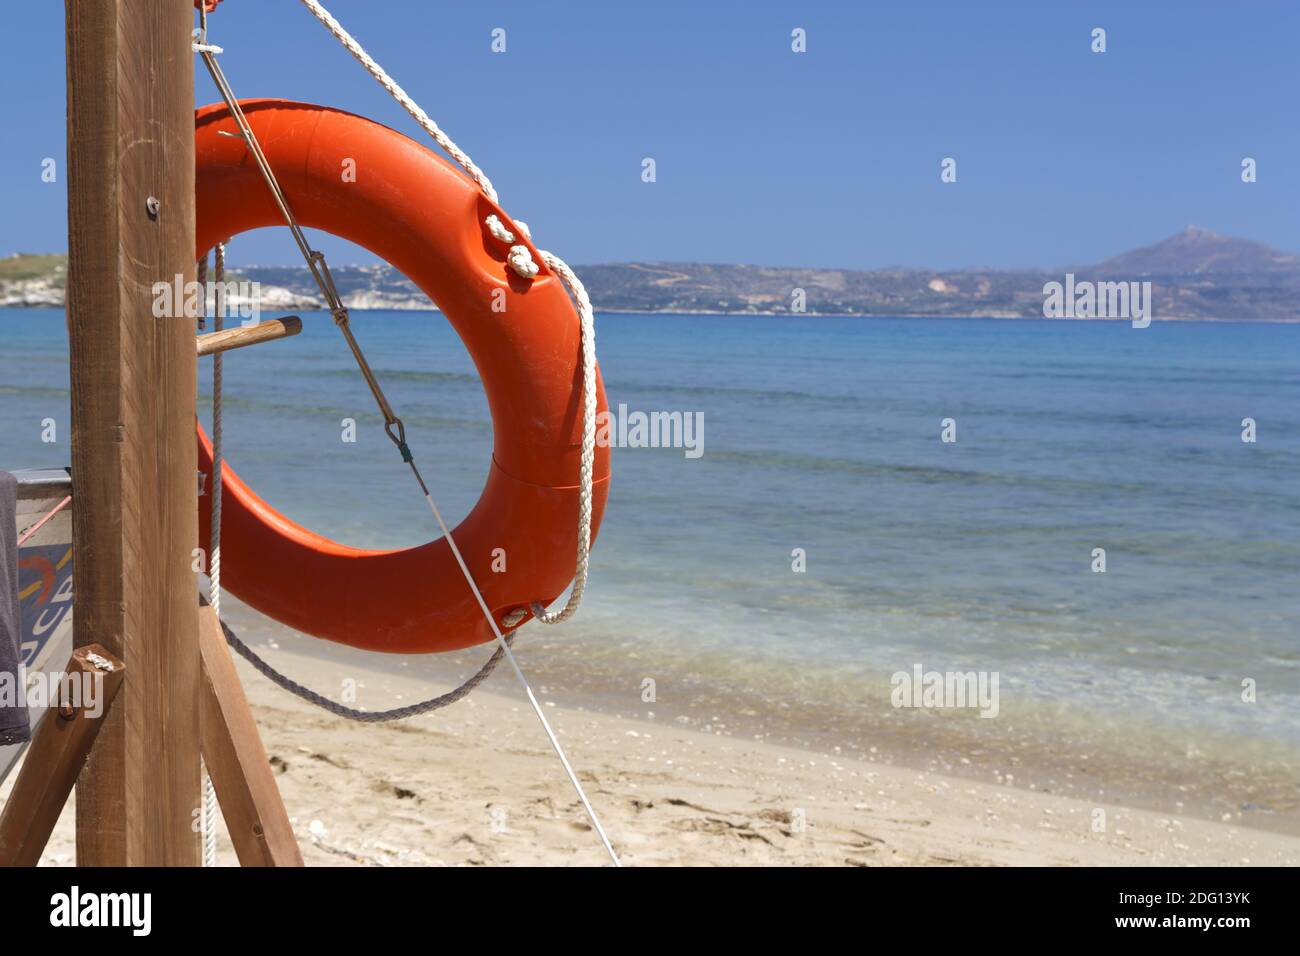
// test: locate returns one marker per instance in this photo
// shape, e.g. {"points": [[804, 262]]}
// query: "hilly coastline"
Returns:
{"points": [[1195, 274]]}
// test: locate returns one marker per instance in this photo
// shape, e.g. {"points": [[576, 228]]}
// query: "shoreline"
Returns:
{"points": [[1155, 769], [476, 784]]}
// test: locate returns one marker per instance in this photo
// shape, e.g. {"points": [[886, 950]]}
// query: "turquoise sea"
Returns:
{"points": [[824, 434]]}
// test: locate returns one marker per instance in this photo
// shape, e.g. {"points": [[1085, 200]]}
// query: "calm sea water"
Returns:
{"points": [[824, 434]]}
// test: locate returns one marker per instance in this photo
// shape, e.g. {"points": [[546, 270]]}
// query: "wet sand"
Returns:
{"points": [[476, 784]]}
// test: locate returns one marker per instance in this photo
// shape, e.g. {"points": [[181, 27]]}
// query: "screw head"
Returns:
{"points": [[152, 205]]}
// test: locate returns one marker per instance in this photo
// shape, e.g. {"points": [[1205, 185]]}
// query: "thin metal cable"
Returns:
{"points": [[589, 387], [505, 647], [214, 590], [392, 424], [393, 427]]}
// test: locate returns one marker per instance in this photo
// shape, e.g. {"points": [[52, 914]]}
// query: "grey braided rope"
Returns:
{"points": [[218, 380], [201, 276], [351, 713]]}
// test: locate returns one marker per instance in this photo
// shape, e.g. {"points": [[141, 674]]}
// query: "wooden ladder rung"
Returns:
{"points": [[245, 335]]}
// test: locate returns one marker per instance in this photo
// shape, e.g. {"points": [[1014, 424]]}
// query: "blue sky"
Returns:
{"points": [[828, 158]]}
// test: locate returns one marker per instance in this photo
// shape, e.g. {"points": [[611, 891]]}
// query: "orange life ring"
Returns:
{"points": [[425, 217]]}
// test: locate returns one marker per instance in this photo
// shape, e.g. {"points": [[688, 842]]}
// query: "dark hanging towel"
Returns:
{"points": [[13, 710]]}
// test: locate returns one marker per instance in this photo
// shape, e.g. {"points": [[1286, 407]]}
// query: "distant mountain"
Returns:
{"points": [[1196, 274], [739, 289], [1196, 251]]}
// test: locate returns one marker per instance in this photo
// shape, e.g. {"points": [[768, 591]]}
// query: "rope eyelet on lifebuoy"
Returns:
{"points": [[427, 219]]}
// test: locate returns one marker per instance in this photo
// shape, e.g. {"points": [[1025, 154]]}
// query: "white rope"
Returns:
{"points": [[521, 260], [498, 229], [399, 94], [587, 462]]}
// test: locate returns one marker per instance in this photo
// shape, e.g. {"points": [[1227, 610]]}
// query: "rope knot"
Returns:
{"points": [[498, 229], [521, 260]]}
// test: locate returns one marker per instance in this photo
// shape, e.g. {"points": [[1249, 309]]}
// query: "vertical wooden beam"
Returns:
{"points": [[130, 139]]}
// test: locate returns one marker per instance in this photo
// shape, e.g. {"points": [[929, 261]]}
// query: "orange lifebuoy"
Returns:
{"points": [[426, 218]]}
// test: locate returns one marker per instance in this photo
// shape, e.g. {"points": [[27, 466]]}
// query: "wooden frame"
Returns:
{"points": [[134, 459], [255, 817], [130, 73]]}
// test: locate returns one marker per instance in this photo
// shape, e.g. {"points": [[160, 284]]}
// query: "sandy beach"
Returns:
{"points": [[476, 784]]}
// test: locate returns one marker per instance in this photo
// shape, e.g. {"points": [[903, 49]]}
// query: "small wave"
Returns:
{"points": [[925, 474], [338, 412], [408, 375], [39, 390], [1110, 376], [665, 388]]}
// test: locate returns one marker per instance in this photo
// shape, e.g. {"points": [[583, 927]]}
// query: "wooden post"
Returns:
{"points": [[134, 464]]}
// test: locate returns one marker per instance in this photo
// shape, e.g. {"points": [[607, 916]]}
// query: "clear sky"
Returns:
{"points": [[826, 158]]}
